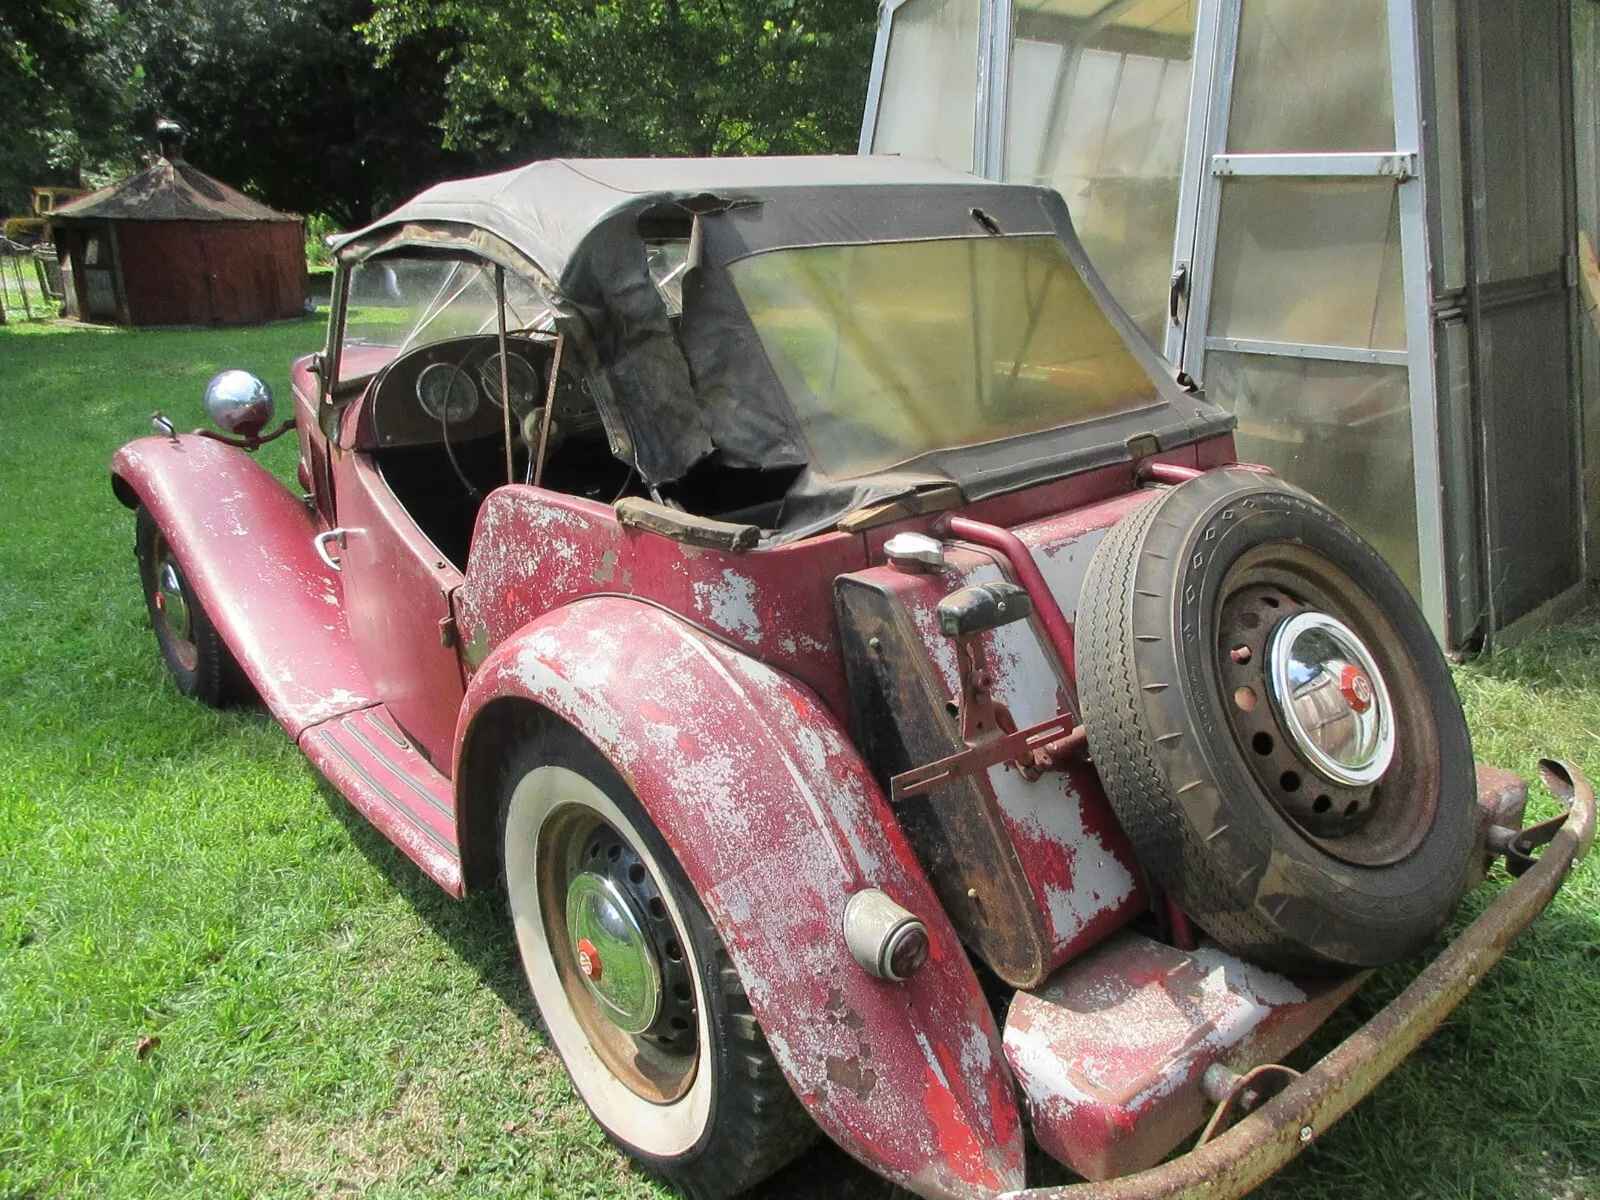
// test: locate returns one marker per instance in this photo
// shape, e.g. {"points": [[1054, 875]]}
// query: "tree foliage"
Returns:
{"points": [[285, 99], [65, 79], [650, 76], [345, 107]]}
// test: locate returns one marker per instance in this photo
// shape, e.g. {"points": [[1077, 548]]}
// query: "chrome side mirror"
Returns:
{"points": [[239, 403]]}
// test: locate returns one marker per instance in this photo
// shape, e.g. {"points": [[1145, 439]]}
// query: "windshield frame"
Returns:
{"points": [[431, 310]]}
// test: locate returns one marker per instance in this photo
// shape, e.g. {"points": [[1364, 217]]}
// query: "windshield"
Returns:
{"points": [[890, 350], [397, 304]]}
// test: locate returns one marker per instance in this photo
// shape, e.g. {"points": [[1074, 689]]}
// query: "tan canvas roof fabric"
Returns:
{"points": [[169, 191], [547, 208]]}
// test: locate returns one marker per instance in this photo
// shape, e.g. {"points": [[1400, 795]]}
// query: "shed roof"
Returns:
{"points": [[169, 191]]}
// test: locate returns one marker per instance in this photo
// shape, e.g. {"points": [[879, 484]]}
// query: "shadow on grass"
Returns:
{"points": [[478, 930]]}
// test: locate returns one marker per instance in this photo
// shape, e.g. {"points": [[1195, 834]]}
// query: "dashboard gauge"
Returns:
{"points": [[526, 391], [445, 384]]}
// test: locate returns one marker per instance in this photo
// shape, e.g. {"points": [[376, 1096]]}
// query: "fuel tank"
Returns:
{"points": [[1031, 871]]}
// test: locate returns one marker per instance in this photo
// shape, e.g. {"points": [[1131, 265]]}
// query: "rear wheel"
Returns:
{"points": [[1275, 726], [201, 664], [635, 988]]}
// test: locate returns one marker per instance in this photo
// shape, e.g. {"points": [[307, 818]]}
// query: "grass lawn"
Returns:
{"points": [[215, 980]]}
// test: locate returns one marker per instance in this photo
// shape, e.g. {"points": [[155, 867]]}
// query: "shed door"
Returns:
{"points": [[1516, 114], [1307, 221], [99, 275]]}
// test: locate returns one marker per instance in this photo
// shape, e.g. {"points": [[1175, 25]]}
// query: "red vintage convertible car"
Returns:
{"points": [[889, 707]]}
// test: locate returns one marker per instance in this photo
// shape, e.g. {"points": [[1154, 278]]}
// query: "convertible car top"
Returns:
{"points": [[677, 389]]}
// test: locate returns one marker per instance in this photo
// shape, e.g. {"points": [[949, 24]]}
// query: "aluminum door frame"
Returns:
{"points": [[1207, 163], [995, 22]]}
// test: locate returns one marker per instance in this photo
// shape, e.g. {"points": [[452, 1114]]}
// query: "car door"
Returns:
{"points": [[397, 590]]}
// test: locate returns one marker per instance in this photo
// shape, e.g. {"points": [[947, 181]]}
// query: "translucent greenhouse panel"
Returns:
{"points": [[929, 99], [1340, 430], [1311, 261], [1098, 110], [1312, 77]]}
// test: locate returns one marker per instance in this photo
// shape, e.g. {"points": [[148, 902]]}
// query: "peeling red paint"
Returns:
{"points": [[777, 824], [1110, 1051]]}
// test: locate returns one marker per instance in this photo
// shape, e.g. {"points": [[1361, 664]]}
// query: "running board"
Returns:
{"points": [[378, 769]]}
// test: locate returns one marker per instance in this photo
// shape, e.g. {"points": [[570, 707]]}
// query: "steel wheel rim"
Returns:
{"points": [[173, 608], [662, 1128], [1373, 823]]}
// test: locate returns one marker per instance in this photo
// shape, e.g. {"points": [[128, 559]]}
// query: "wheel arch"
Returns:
{"points": [[777, 822], [495, 728]]}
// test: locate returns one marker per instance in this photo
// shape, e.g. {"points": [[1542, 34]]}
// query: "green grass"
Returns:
{"points": [[329, 1023]]}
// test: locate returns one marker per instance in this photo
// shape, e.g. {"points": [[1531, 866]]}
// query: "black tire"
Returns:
{"points": [[736, 1120], [201, 664], [1197, 791]]}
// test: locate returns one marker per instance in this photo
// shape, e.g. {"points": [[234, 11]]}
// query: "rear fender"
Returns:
{"points": [[245, 543], [777, 823]]}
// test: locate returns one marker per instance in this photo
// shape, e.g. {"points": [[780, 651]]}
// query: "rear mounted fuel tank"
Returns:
{"points": [[1111, 1053], [1030, 872]]}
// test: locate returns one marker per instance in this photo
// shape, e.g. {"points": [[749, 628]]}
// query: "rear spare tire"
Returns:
{"points": [[1275, 726]]}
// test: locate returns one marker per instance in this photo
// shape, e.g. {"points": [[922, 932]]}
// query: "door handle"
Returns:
{"points": [[321, 543], [1178, 291]]}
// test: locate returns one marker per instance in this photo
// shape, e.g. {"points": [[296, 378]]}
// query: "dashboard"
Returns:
{"points": [[453, 388]]}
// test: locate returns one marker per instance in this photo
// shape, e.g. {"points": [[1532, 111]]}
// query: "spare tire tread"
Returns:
{"points": [[1157, 727], [1122, 739]]}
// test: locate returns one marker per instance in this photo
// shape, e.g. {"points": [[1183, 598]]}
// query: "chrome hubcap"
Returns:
{"points": [[1331, 698], [614, 956], [170, 600]]}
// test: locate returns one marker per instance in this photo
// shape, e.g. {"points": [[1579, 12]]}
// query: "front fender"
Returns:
{"points": [[245, 545], [777, 823]]}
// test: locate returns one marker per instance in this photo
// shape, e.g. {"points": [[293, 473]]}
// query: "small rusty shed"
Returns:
{"points": [[170, 245]]}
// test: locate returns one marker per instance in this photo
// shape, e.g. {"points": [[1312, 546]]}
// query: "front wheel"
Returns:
{"points": [[635, 988], [201, 664]]}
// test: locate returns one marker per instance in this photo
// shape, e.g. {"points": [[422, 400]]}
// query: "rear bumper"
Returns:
{"points": [[1260, 1144]]}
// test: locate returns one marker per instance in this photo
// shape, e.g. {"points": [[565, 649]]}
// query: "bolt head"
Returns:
{"points": [[1305, 1133]]}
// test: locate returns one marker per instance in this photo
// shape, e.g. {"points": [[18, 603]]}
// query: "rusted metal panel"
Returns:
{"points": [[1259, 1145], [1111, 1050], [396, 593], [1069, 876], [535, 550], [245, 545], [163, 274], [902, 721], [375, 766], [777, 823]]}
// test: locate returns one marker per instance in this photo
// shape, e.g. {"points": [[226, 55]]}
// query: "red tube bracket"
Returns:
{"points": [[1009, 546]]}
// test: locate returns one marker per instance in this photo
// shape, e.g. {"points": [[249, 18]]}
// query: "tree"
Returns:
{"points": [[285, 99], [64, 81], [649, 76]]}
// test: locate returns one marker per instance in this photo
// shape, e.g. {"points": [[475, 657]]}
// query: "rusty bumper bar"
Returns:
{"points": [[1250, 1152]]}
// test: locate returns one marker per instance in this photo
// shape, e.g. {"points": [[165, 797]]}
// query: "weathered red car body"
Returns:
{"points": [[730, 694]]}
